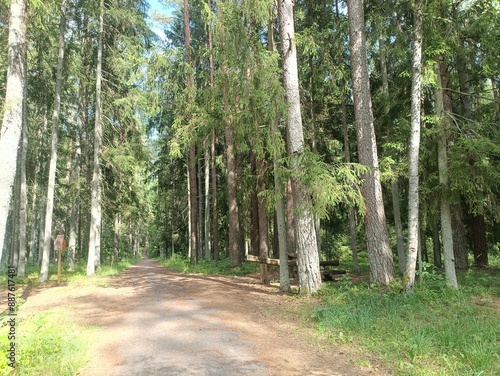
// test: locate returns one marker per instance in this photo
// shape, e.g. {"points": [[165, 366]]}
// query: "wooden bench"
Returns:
{"points": [[327, 274]]}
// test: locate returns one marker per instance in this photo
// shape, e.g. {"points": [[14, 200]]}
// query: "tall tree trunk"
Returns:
{"points": [[446, 228], [400, 245], [215, 214], [436, 244], [263, 219], [10, 132], [400, 242], [95, 218], [280, 227], [23, 214], [233, 217], [413, 201], [44, 271], [459, 237], [215, 219], [377, 238], [254, 211], [116, 237], [34, 219], [193, 186], [206, 222], [75, 206], [307, 250]]}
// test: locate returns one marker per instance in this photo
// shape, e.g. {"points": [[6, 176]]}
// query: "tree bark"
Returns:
{"points": [[400, 242], [95, 218], [193, 186], [436, 245], [234, 224], [44, 271], [23, 214], [263, 219], [446, 228], [377, 238], [459, 237], [307, 250], [207, 224], [10, 132], [413, 187], [116, 237]]}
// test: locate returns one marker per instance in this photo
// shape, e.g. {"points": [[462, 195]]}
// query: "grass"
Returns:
{"points": [[47, 344], [78, 273], [434, 331], [222, 267]]}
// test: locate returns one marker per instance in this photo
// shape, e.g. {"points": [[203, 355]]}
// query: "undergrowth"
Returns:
{"points": [[434, 331], [46, 343], [221, 267]]}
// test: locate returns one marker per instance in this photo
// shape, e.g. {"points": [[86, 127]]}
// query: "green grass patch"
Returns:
{"points": [[76, 274], [47, 344], [434, 331], [222, 267]]}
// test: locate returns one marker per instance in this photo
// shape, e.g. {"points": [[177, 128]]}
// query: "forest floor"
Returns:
{"points": [[154, 321]]}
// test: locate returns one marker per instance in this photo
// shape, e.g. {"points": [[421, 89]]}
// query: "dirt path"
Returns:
{"points": [[158, 322]]}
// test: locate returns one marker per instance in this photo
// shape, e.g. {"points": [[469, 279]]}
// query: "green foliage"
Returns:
{"points": [[48, 344], [222, 267], [332, 184], [434, 331]]}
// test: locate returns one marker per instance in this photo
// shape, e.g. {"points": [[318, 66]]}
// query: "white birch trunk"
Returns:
{"points": [[207, 201], [307, 250], [10, 132], [44, 271], [95, 212], [413, 212]]}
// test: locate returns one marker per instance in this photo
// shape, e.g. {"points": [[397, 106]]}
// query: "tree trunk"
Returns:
{"points": [[207, 224], [215, 214], [116, 237], [34, 219], [307, 249], [413, 187], [95, 219], [446, 228], [193, 186], [479, 242], [377, 238], [263, 219], [459, 237], [254, 211], [234, 224], [215, 227], [23, 215], [280, 226], [400, 242], [436, 245], [44, 271], [10, 132]]}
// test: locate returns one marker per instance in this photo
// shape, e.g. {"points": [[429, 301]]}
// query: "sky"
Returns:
{"points": [[159, 7]]}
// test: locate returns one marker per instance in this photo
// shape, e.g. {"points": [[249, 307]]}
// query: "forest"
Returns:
{"points": [[321, 129], [207, 133]]}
